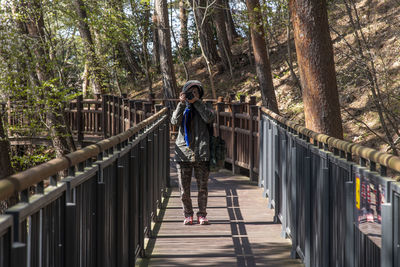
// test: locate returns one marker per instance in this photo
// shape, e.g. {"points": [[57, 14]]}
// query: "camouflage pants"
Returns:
{"points": [[201, 171]]}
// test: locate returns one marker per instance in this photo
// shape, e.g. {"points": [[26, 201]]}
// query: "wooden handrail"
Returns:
{"points": [[23, 180], [385, 159]]}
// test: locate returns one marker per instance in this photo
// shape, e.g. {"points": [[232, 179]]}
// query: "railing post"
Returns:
{"points": [[151, 99], [122, 217], [120, 118], [104, 116], [158, 107], [293, 223], [242, 100], [127, 114], [168, 153], [325, 216], [220, 108], [307, 212], [232, 97], [253, 111], [235, 109], [147, 108], [70, 235], [18, 254], [349, 229], [138, 106], [79, 121], [388, 246], [131, 105]]}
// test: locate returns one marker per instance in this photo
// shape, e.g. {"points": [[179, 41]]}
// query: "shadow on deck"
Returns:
{"points": [[241, 230]]}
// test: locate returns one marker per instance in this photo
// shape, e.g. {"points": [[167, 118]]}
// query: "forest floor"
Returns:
{"points": [[381, 25]]}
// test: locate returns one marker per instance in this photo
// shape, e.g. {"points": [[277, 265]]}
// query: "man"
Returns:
{"points": [[192, 148]]}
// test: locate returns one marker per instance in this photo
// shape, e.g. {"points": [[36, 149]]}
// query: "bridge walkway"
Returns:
{"points": [[241, 230]]}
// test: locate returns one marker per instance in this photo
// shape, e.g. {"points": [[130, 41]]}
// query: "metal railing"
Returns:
{"points": [[100, 213], [337, 212]]}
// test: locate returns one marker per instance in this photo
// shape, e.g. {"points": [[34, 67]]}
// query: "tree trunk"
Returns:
{"points": [[230, 26], [261, 59], [5, 163], [127, 61], [145, 40], [223, 42], [289, 56], [317, 66], [125, 54], [5, 152], [183, 18], [61, 138], [85, 80], [206, 35], [156, 42], [94, 64], [166, 63]]}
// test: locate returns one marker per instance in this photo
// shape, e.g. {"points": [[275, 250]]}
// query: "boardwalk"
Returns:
{"points": [[242, 232]]}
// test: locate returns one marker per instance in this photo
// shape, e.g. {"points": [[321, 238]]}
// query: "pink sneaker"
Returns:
{"points": [[188, 220], [370, 217], [202, 220]]}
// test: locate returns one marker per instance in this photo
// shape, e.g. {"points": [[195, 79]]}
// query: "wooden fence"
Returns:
{"points": [[100, 214], [93, 119]]}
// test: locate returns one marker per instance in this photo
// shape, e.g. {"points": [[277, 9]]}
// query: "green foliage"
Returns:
{"points": [[37, 156], [239, 94]]}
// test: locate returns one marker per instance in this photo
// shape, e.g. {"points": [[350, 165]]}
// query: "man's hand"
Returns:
{"points": [[196, 96], [182, 97]]}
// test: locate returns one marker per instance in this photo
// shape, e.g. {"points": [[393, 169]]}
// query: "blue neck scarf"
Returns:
{"points": [[187, 117]]}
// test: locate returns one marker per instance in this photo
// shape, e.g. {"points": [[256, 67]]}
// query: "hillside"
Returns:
{"points": [[380, 22]]}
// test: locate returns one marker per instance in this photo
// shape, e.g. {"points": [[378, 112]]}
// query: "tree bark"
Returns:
{"points": [[166, 63], [183, 18], [85, 80], [317, 67], [156, 41], [61, 138], [125, 53], [223, 42], [206, 35], [145, 40], [5, 152], [263, 68], [5, 163], [230, 26], [94, 64]]}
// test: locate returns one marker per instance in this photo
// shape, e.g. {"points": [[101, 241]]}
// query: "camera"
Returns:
{"points": [[189, 95]]}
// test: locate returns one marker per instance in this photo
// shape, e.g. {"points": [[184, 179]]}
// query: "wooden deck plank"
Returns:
{"points": [[241, 230]]}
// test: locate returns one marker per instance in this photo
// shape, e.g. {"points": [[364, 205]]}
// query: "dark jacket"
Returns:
{"points": [[199, 148]]}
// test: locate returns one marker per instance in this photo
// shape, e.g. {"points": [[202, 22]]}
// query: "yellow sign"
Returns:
{"points": [[358, 193]]}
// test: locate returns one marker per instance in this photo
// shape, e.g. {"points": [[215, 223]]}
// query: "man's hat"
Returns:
{"points": [[190, 84]]}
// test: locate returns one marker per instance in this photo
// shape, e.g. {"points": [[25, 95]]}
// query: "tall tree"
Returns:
{"points": [[145, 39], [202, 9], [5, 161], [223, 42], [317, 66], [55, 117], [183, 18], [230, 26], [95, 70], [263, 67], [164, 36], [156, 41]]}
